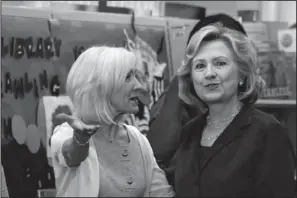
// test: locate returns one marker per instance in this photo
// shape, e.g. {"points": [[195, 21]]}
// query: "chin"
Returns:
{"points": [[212, 98], [133, 110]]}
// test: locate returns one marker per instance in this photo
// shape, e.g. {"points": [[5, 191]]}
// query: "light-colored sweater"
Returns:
{"points": [[84, 180]]}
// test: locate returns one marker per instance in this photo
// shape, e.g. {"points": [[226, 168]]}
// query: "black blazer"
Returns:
{"points": [[252, 157], [168, 116]]}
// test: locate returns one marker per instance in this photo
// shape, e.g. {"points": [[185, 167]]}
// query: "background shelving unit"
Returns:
{"points": [[276, 103]]}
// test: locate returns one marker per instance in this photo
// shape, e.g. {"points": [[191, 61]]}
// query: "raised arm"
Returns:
{"points": [[70, 142]]}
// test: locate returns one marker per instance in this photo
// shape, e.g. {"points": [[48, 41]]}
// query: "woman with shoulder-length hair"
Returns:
{"points": [[94, 153], [164, 136], [233, 149]]}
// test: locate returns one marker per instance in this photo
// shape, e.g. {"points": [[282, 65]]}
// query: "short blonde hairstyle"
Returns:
{"points": [[244, 54], [94, 77]]}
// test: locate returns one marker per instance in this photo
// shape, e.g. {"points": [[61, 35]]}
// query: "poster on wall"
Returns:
{"points": [[287, 40], [178, 33], [29, 71], [35, 64]]}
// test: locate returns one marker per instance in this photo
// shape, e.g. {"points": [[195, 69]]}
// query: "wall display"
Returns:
{"points": [[287, 40], [287, 44], [48, 108], [273, 65], [37, 53], [278, 75], [28, 72], [178, 33]]}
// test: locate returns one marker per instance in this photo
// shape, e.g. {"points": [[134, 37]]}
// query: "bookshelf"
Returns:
{"points": [[276, 103]]}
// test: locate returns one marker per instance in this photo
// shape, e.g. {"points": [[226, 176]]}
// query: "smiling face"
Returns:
{"points": [[214, 72], [125, 99]]}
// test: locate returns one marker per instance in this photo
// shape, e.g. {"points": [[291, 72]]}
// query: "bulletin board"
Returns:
{"points": [[178, 33], [38, 49]]}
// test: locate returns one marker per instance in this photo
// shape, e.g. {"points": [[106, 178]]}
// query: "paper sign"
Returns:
{"points": [[287, 40]]}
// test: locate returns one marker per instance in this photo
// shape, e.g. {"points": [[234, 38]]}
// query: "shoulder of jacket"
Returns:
{"points": [[264, 117], [266, 123]]}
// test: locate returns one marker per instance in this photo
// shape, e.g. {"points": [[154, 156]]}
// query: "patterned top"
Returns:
{"points": [[86, 180], [122, 171]]}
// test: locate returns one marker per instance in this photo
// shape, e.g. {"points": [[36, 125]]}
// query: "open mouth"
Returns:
{"points": [[142, 97], [212, 86], [134, 100]]}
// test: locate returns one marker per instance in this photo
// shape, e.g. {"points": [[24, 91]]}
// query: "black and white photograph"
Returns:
{"points": [[148, 99]]}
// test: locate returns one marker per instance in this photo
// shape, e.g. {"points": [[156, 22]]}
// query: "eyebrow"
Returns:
{"points": [[224, 57], [219, 57]]}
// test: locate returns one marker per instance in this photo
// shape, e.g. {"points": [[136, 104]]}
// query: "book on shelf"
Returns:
{"points": [[278, 75], [46, 193]]}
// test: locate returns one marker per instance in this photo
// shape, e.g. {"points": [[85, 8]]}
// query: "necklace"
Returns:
{"points": [[211, 137], [218, 123]]}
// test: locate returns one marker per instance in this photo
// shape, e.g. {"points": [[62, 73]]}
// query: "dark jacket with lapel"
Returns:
{"points": [[251, 158], [168, 116]]}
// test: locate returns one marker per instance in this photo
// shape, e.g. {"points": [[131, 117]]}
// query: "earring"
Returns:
{"points": [[241, 82]]}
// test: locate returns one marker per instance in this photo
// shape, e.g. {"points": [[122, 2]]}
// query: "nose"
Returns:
{"points": [[210, 71], [138, 85]]}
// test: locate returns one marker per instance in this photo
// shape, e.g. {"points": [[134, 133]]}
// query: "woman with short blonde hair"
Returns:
{"points": [[94, 77], [94, 153]]}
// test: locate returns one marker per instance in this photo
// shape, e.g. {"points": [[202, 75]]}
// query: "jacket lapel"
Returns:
{"points": [[233, 130], [190, 157], [188, 173]]}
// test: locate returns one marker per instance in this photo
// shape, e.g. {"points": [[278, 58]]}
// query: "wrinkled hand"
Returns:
{"points": [[79, 126]]}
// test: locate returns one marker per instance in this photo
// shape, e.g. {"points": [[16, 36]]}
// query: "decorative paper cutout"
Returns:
{"points": [[49, 106], [19, 129], [33, 138]]}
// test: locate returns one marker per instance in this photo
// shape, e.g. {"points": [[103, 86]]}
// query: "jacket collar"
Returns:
{"points": [[232, 131]]}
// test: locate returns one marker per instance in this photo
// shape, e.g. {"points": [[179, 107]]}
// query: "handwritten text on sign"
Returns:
{"points": [[33, 48], [27, 68]]}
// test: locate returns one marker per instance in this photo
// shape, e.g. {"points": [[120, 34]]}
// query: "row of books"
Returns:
{"points": [[276, 48]]}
